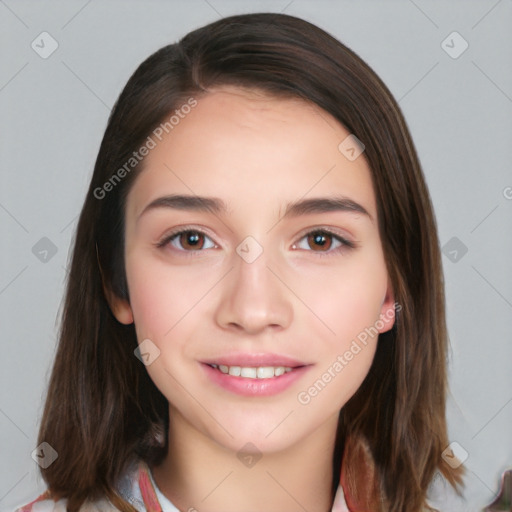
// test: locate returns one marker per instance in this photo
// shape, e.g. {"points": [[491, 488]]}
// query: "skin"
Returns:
{"points": [[298, 298]]}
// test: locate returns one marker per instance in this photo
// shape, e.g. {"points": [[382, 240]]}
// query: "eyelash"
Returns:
{"points": [[345, 244]]}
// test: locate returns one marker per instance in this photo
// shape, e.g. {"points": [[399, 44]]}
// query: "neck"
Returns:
{"points": [[200, 474]]}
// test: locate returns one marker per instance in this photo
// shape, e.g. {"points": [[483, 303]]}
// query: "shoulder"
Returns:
{"points": [[44, 503], [442, 497]]}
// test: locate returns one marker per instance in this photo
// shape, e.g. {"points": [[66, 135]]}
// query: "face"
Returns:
{"points": [[279, 280]]}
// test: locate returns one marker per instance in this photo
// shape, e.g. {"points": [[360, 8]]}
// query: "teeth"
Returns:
{"points": [[235, 371], [278, 371], [265, 372], [248, 372], [260, 372]]}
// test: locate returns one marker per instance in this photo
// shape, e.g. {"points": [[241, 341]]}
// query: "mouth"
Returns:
{"points": [[253, 372]]}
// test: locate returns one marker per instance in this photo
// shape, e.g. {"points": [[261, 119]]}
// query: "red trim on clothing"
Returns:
{"points": [[28, 507], [147, 490]]}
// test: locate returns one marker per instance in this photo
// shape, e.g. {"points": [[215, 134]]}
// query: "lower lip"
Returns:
{"points": [[254, 387]]}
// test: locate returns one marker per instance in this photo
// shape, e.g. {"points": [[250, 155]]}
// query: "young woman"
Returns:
{"points": [[254, 317]]}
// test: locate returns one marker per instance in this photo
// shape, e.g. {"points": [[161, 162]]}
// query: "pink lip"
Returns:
{"points": [[255, 360], [255, 387]]}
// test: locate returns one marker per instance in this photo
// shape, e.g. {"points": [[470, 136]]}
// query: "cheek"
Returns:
{"points": [[345, 300], [161, 297], [349, 306], [331, 388], [164, 304]]}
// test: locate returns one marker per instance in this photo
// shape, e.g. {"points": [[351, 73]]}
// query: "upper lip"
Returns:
{"points": [[255, 360]]}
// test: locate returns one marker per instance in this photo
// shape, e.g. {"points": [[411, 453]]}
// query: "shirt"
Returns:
{"points": [[139, 488]]}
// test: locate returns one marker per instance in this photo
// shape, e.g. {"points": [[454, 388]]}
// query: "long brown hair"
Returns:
{"points": [[102, 410]]}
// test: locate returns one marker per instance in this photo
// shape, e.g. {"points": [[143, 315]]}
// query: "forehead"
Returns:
{"points": [[244, 145]]}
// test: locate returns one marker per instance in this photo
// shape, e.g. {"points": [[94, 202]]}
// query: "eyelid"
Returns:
{"points": [[336, 233], [168, 236], [345, 242]]}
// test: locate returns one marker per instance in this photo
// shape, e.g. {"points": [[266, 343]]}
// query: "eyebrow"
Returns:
{"points": [[293, 209]]}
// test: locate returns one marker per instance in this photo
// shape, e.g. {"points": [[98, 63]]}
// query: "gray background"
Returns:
{"points": [[53, 112]]}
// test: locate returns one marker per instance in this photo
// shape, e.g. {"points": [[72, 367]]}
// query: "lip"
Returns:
{"points": [[255, 387], [255, 360]]}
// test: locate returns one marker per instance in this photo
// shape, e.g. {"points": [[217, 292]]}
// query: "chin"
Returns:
{"points": [[246, 441], [264, 432]]}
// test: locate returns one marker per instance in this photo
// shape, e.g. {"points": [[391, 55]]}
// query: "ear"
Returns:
{"points": [[387, 311], [120, 308]]}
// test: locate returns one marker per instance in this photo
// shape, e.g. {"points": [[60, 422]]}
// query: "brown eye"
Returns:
{"points": [[188, 240], [320, 239], [323, 241], [191, 240]]}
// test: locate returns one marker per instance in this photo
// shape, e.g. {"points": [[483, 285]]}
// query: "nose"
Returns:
{"points": [[254, 298]]}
